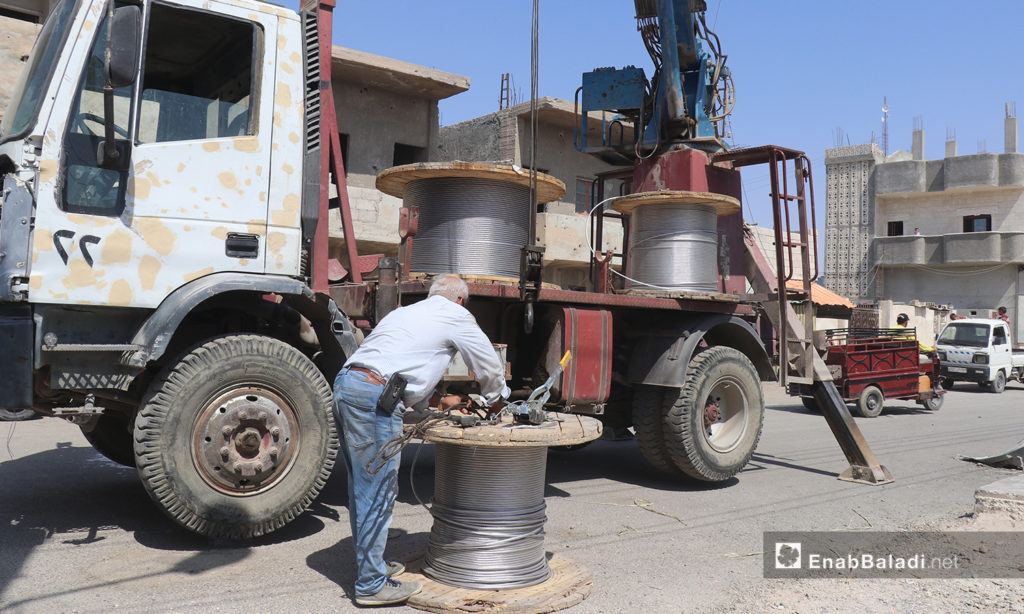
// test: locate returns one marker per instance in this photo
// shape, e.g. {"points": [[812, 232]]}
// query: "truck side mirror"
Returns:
{"points": [[123, 45], [122, 64]]}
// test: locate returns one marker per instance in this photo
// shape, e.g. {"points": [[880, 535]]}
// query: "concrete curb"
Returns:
{"points": [[1004, 497]]}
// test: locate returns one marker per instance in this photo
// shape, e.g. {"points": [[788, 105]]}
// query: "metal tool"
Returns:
{"points": [[531, 411]]}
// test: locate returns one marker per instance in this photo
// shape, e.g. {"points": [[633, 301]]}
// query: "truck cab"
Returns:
{"points": [[159, 165], [978, 350]]}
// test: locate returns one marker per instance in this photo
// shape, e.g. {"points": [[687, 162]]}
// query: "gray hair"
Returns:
{"points": [[449, 286]]}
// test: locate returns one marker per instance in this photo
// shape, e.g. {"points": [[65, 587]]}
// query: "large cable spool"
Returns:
{"points": [[474, 217], [487, 540], [489, 515], [673, 239]]}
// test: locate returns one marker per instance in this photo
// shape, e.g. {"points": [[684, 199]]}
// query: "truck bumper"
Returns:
{"points": [[966, 373], [16, 343]]}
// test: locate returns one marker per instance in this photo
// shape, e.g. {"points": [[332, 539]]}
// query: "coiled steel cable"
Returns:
{"points": [[469, 226], [489, 515], [674, 246]]}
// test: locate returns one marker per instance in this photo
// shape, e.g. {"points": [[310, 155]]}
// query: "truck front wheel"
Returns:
{"points": [[237, 437], [712, 425], [999, 383]]}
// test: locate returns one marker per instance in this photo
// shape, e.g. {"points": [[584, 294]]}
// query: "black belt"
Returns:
{"points": [[371, 375]]}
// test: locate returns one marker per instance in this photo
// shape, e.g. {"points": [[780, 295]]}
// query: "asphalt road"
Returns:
{"points": [[79, 534]]}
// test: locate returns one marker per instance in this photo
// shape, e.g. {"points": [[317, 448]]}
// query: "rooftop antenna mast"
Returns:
{"points": [[885, 126]]}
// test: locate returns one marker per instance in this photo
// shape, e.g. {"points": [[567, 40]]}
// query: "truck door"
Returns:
{"points": [[193, 200], [1001, 351]]}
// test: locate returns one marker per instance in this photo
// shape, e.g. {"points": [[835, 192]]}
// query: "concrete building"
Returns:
{"points": [[387, 116], [944, 232], [831, 309], [19, 25], [849, 220], [562, 226]]}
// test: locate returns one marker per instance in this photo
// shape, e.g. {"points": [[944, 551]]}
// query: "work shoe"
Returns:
{"points": [[394, 568], [391, 593]]}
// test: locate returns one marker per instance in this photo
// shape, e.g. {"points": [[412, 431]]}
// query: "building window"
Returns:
{"points": [[408, 154], [977, 223], [343, 142], [584, 194], [895, 229]]}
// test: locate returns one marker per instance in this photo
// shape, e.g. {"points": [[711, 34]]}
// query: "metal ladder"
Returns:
{"points": [[799, 362]]}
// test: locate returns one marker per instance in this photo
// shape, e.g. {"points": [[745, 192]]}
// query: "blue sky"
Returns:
{"points": [[803, 68]]}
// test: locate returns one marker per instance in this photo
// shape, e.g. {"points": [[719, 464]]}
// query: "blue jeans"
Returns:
{"points": [[362, 430]]}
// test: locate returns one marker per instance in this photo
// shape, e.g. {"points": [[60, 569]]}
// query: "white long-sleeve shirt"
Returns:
{"points": [[419, 342]]}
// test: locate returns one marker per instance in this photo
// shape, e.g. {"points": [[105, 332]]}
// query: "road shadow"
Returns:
{"points": [[793, 408], [73, 494], [338, 562]]}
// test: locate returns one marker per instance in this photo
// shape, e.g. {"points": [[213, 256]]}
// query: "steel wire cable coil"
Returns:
{"points": [[489, 515], [469, 226], [674, 246]]}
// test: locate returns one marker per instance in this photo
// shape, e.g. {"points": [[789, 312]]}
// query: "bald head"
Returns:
{"points": [[451, 287]]}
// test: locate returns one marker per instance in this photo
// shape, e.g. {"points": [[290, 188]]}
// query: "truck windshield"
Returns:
{"points": [[28, 94], [973, 335]]}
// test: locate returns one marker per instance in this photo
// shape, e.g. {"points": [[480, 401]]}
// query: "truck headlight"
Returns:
{"points": [[940, 354], [981, 359]]}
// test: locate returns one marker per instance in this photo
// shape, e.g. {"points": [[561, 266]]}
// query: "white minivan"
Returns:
{"points": [[978, 350]]}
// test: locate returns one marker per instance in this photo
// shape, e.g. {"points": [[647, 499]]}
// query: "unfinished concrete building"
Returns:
{"points": [[562, 226], [387, 116], [19, 25], [849, 220], [944, 232]]}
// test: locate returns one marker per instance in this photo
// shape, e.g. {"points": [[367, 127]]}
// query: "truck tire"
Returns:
{"points": [[713, 423], [871, 402], [999, 383], [811, 404], [648, 420], [237, 437], [15, 415], [111, 436]]}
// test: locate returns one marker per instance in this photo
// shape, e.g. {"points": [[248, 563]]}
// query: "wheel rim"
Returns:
{"points": [[245, 440], [725, 414], [872, 401]]}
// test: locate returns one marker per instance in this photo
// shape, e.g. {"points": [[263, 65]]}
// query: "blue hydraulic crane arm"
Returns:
{"points": [[686, 100], [684, 63]]}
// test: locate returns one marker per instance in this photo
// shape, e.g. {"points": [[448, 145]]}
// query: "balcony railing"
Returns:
{"points": [[967, 248]]}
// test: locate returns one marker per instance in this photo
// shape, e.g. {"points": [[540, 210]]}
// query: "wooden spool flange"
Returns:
{"points": [[570, 581], [722, 204], [392, 181], [569, 584], [561, 430]]}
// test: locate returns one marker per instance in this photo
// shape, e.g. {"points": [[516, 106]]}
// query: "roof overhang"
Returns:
{"points": [[367, 69]]}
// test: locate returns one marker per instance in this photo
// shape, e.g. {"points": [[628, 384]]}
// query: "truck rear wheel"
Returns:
{"points": [[111, 436], [237, 438], [713, 424], [648, 420], [871, 402]]}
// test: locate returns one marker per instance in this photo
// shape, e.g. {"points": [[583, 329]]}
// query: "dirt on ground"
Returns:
{"points": [[894, 596]]}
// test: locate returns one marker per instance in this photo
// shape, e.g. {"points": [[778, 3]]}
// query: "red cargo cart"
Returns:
{"points": [[871, 365]]}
